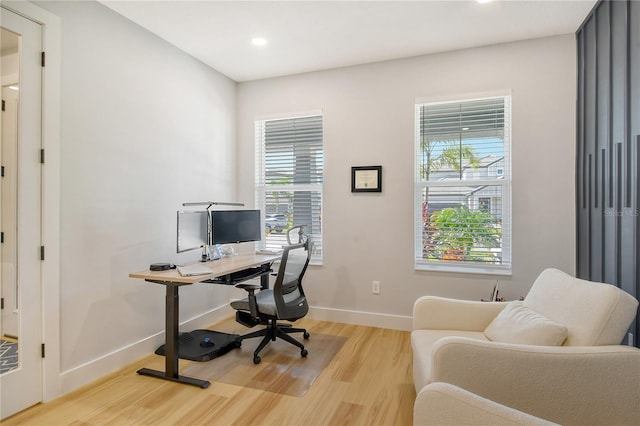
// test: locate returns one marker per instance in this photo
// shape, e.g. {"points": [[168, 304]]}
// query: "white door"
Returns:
{"points": [[20, 219]]}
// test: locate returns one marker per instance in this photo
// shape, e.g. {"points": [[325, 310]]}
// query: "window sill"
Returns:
{"points": [[464, 269]]}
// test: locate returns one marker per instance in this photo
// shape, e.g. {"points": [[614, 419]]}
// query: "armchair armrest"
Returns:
{"points": [[564, 384], [445, 404], [439, 313]]}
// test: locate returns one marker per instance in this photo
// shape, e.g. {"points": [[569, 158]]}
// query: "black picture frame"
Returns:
{"points": [[366, 179]]}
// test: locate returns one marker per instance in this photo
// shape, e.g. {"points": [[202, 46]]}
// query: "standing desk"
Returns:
{"points": [[228, 270]]}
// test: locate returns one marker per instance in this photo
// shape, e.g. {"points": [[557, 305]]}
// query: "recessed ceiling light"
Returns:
{"points": [[258, 41], [484, 1]]}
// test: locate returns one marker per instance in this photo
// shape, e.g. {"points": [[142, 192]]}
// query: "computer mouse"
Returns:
{"points": [[207, 343]]}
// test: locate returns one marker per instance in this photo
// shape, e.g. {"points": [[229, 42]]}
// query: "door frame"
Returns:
{"points": [[50, 202]]}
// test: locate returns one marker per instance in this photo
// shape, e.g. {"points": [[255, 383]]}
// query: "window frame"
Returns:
{"points": [[262, 187], [505, 183]]}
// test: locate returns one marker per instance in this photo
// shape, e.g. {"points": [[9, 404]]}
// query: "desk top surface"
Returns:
{"points": [[224, 266]]}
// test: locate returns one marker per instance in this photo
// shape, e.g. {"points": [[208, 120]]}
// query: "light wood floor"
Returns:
{"points": [[368, 382]]}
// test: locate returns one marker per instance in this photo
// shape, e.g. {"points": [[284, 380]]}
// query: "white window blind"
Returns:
{"points": [[463, 185], [289, 177]]}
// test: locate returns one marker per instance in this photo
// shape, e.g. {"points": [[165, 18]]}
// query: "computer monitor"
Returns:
{"points": [[192, 230], [235, 226]]}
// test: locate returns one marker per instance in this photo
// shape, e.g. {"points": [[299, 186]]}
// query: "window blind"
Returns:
{"points": [[463, 183], [289, 177]]}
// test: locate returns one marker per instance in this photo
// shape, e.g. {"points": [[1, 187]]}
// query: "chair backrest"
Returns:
{"points": [[299, 233], [288, 293], [594, 313]]}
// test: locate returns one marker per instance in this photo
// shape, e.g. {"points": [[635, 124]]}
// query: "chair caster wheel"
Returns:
{"points": [[306, 335], [304, 353], [237, 343], [256, 359]]}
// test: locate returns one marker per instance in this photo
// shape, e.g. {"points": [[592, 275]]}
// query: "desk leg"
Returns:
{"points": [[172, 303], [264, 278], [171, 318]]}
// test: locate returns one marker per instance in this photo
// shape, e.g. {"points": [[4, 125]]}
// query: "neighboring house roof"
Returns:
{"points": [[483, 163]]}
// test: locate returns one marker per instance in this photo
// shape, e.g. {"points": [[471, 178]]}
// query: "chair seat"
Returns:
{"points": [[264, 299]]}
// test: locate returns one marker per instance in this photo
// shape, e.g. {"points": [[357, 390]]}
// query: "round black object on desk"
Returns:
{"points": [[161, 266]]}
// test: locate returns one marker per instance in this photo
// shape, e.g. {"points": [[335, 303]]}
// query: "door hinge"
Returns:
{"points": [[42, 59], [42, 156], [2, 303], [1, 237], [42, 350], [3, 104], [41, 252], [2, 173]]}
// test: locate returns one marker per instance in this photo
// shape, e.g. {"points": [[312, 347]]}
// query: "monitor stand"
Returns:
{"points": [[210, 252]]}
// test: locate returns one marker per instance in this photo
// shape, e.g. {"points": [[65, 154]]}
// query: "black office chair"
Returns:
{"points": [[285, 302]]}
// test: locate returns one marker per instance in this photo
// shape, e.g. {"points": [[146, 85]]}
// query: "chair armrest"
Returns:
{"points": [[564, 384], [251, 289], [248, 286], [439, 313], [446, 404]]}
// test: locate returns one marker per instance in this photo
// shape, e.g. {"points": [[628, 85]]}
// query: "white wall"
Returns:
{"points": [[145, 127], [369, 120]]}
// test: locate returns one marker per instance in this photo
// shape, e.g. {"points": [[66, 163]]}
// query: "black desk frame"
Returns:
{"points": [[172, 304]]}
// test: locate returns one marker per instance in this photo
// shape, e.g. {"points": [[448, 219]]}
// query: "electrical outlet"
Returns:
{"points": [[375, 287]]}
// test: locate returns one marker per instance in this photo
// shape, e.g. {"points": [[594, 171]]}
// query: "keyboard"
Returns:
{"points": [[268, 252], [195, 269]]}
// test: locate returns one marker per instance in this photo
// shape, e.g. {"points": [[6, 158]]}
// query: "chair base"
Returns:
{"points": [[272, 331]]}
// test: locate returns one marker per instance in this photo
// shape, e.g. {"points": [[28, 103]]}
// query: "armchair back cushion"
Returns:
{"points": [[594, 314]]}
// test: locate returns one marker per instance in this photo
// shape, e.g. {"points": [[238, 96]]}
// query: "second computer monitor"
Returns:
{"points": [[192, 230], [235, 226]]}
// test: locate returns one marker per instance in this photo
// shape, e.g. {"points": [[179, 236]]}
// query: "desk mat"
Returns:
{"points": [[190, 347], [282, 369]]}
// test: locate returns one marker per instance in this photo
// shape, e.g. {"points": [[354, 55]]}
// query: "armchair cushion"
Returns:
{"points": [[520, 324], [594, 313]]}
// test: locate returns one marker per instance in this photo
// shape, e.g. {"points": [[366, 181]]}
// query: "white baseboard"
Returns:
{"points": [[368, 319], [81, 375]]}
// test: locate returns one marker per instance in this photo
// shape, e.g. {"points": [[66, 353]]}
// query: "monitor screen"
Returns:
{"points": [[235, 226], [192, 230]]}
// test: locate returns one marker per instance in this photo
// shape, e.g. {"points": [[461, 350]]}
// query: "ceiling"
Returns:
{"points": [[307, 36]]}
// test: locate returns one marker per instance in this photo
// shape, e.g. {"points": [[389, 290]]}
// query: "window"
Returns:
{"points": [[463, 185], [484, 204], [289, 176]]}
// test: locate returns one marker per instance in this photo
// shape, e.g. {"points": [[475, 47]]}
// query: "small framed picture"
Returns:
{"points": [[366, 179]]}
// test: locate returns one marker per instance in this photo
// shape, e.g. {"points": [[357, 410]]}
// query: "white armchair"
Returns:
{"points": [[440, 404], [462, 377]]}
